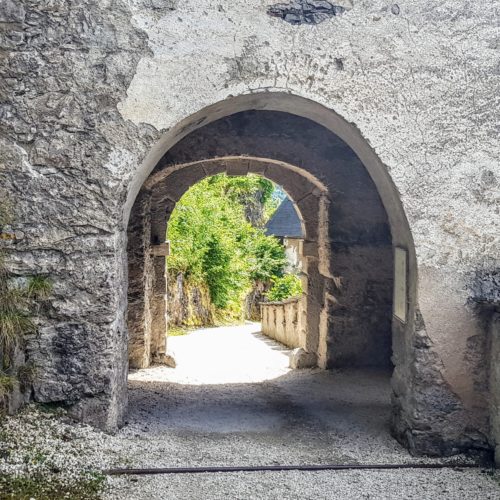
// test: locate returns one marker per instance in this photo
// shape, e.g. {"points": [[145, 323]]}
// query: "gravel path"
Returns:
{"points": [[233, 401]]}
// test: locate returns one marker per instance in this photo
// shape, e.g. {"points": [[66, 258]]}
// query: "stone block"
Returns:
{"points": [[299, 358], [236, 168]]}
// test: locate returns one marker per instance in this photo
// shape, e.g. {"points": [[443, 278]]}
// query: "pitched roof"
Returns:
{"points": [[285, 222]]}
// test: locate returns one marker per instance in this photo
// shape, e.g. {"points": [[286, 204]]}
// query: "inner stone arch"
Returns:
{"points": [[148, 307]]}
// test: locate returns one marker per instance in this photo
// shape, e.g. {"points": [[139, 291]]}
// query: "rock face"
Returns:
{"points": [[187, 304], [299, 359], [95, 93]]}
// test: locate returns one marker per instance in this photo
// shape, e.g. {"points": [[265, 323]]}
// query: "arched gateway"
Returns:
{"points": [[361, 306], [351, 212]]}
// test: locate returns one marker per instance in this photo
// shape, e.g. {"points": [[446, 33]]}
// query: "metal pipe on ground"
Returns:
{"points": [[277, 468]]}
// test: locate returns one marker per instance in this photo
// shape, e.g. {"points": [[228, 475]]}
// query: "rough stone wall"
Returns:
{"points": [[253, 300], [494, 383], [169, 182], [89, 86], [140, 277], [365, 292], [66, 159]]}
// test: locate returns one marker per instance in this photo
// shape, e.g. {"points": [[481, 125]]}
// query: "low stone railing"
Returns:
{"points": [[280, 321]]}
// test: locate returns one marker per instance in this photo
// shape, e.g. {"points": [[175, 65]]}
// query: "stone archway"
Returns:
{"points": [[351, 138], [429, 415], [350, 239]]}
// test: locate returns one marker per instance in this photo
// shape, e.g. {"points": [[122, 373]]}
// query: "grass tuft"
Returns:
{"points": [[39, 288], [15, 321], [177, 331], [19, 305], [6, 385]]}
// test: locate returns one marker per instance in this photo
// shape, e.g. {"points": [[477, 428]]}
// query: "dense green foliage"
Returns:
{"points": [[217, 237], [284, 287]]}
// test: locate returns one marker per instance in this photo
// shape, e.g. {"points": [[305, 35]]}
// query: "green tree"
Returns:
{"points": [[217, 237], [267, 257]]}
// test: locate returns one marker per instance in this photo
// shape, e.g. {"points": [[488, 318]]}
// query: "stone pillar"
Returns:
{"points": [[314, 303], [147, 311], [312, 254], [140, 277], [158, 304]]}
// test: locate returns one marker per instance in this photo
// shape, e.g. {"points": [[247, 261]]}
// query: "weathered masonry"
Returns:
{"points": [[376, 118]]}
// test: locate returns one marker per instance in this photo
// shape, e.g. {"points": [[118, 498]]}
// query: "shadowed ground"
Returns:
{"points": [[233, 401]]}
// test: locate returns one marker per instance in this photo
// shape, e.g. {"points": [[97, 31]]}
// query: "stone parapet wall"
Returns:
{"points": [[280, 321]]}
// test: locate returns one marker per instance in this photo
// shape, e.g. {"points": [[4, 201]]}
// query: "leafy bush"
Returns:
{"points": [[284, 287], [217, 270]]}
